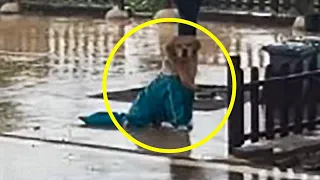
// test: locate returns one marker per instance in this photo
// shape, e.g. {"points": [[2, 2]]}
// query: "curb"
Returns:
{"points": [[228, 161]]}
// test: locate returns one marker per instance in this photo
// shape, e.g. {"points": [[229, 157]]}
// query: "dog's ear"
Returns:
{"points": [[170, 47], [197, 44]]}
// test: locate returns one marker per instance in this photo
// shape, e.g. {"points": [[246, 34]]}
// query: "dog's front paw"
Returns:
{"points": [[166, 125], [126, 124], [184, 128]]}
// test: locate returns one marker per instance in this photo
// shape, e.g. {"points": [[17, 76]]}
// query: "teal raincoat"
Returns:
{"points": [[165, 99]]}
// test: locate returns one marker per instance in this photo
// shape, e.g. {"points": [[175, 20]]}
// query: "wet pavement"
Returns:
{"points": [[33, 160], [48, 65]]}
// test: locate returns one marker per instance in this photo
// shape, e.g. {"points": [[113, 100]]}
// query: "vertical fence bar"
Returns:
{"points": [[250, 4], [239, 3], [296, 6], [311, 106], [286, 4], [214, 4], [298, 105], [262, 5], [312, 94], [284, 101], [275, 5], [220, 4], [228, 4], [122, 4], [241, 103], [270, 105], [236, 119], [231, 117], [254, 99]]}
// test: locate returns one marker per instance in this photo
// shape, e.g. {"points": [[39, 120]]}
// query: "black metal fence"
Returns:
{"points": [[288, 101], [82, 3], [86, 6], [299, 6], [293, 7]]}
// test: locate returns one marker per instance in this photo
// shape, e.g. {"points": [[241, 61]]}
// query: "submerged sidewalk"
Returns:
{"points": [[42, 161], [76, 132], [27, 160]]}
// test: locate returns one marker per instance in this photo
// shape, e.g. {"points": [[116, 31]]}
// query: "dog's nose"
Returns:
{"points": [[184, 52]]}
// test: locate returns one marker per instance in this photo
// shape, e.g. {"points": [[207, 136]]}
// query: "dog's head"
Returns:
{"points": [[183, 47]]}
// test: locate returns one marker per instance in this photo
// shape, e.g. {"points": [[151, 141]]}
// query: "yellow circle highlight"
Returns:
{"points": [[233, 95]]}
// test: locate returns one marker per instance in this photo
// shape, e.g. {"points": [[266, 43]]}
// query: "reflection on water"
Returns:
{"points": [[51, 91], [67, 162], [14, 71], [181, 173], [9, 116], [79, 48]]}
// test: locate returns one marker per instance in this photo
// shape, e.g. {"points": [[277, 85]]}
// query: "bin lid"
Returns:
{"points": [[313, 41], [296, 49]]}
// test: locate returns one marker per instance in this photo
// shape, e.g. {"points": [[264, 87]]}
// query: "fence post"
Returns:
{"points": [[312, 94], [254, 99], [227, 3], [275, 5], [298, 94], [122, 4], [241, 102], [250, 4], [286, 5], [268, 97], [236, 119], [262, 5], [284, 107], [239, 3]]}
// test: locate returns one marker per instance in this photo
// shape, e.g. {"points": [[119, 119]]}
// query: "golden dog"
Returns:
{"points": [[182, 58]]}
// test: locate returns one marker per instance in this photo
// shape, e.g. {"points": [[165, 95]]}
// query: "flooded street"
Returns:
{"points": [[33, 160], [48, 65]]}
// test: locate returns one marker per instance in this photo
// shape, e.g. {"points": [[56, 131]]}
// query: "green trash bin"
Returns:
{"points": [[291, 53], [314, 42]]}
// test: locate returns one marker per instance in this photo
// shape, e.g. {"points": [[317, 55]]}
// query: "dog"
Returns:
{"points": [[168, 100], [182, 59]]}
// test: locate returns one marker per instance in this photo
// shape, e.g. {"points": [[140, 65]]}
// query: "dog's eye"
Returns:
{"points": [[194, 51]]}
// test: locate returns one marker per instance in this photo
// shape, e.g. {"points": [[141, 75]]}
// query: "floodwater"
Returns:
{"points": [[48, 65], [24, 160]]}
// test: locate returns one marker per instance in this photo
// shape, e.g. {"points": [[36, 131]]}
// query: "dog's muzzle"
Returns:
{"points": [[184, 53]]}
